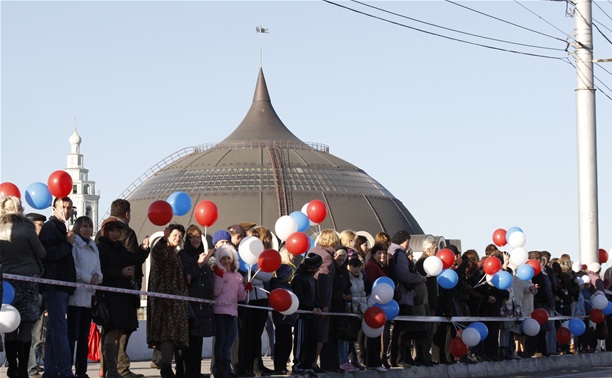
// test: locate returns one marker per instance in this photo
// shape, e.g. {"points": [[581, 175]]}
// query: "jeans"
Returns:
{"points": [[79, 322], [343, 349], [227, 331], [36, 347], [57, 349]]}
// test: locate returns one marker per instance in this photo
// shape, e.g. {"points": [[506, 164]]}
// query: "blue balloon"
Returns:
{"points": [[577, 327], [448, 278], [608, 310], [390, 308], [38, 196], [312, 243], [180, 202], [481, 328], [8, 293], [502, 280], [244, 267], [386, 280], [303, 223], [524, 272], [510, 231]]}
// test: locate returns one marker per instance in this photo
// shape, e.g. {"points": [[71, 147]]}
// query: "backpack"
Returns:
{"points": [[392, 272]]}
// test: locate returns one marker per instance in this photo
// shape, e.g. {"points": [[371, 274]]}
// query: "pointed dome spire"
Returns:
{"points": [[261, 123], [75, 138]]}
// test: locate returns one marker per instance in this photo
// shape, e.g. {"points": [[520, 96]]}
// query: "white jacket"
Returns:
{"points": [[87, 262]]}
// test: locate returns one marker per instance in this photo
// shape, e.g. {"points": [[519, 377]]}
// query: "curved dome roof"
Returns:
{"points": [[262, 171]]}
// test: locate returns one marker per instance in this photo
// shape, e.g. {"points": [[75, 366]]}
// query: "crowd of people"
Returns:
{"points": [[334, 278]]}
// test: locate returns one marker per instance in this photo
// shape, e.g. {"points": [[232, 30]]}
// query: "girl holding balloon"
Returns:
{"points": [[21, 253]]}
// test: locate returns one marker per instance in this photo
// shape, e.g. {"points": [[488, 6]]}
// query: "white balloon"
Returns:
{"points": [[9, 318], [599, 302], [285, 226], [489, 278], [382, 293], [371, 332], [295, 303], [594, 267], [518, 256], [517, 239], [576, 267], [250, 248], [470, 336], [433, 265], [586, 279], [530, 327]]}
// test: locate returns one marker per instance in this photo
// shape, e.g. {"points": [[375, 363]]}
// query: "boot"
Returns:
{"points": [[228, 369], [11, 358], [24, 356], [110, 361], [219, 370], [166, 372]]}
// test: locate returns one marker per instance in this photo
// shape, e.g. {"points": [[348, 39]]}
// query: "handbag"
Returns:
{"points": [[93, 343], [347, 327], [99, 312]]}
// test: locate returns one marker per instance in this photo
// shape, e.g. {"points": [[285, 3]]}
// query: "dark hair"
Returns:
{"points": [[400, 237], [64, 199], [176, 226], [355, 262], [80, 222], [377, 247], [119, 207]]}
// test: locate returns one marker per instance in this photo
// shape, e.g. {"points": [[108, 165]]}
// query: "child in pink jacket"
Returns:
{"points": [[228, 291]]}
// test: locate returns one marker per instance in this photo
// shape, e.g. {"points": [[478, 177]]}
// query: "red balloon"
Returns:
{"points": [[447, 256], [458, 347], [499, 237], [535, 264], [597, 316], [269, 260], [316, 211], [375, 317], [603, 256], [160, 213], [10, 189], [60, 184], [491, 265], [206, 213], [564, 336], [540, 315], [279, 299], [297, 243]]}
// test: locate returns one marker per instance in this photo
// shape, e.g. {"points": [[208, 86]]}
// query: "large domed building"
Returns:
{"points": [[262, 171]]}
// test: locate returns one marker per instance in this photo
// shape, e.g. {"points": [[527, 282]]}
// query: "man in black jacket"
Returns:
{"points": [[59, 265]]}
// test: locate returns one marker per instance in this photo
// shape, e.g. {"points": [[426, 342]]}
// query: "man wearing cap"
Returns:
{"points": [[38, 220], [59, 265]]}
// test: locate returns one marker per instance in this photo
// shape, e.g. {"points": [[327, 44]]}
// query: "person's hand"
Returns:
{"points": [[248, 287], [70, 237], [202, 258], [95, 279], [316, 311], [145, 242], [218, 271], [128, 271], [188, 278]]}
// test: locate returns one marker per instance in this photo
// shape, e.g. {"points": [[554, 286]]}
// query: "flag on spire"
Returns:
{"points": [[262, 30]]}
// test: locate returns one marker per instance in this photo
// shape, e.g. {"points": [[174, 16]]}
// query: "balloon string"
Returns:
{"points": [[251, 278]]}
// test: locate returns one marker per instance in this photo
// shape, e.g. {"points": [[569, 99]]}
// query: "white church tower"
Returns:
{"points": [[83, 190]]}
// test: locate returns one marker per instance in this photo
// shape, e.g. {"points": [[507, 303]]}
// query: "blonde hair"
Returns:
{"points": [[10, 205], [565, 261], [347, 238], [265, 236], [328, 238]]}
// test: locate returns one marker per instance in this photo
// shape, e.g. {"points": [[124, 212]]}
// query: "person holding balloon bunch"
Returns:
{"points": [[21, 253]]}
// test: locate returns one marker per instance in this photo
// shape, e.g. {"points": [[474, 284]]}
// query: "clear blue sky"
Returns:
{"points": [[469, 139]]}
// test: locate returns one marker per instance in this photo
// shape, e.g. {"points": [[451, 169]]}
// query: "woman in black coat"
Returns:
{"points": [[117, 265], [199, 278]]}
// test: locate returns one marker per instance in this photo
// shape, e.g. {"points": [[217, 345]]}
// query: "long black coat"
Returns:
{"points": [[122, 307], [202, 321]]}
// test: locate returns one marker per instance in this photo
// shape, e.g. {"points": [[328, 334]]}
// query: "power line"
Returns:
{"points": [[541, 18], [601, 24], [581, 77], [603, 68], [595, 25], [504, 21], [455, 30], [601, 9], [440, 35]]}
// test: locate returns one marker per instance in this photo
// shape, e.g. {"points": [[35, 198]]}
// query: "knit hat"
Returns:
{"points": [[221, 235], [36, 217], [284, 271], [312, 261], [226, 250]]}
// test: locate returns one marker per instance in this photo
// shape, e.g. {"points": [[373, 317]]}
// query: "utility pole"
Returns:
{"points": [[586, 135]]}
